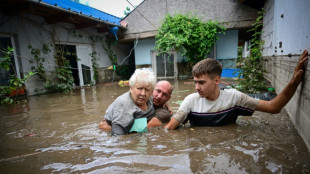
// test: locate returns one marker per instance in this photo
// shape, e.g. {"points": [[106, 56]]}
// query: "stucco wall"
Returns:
{"points": [[233, 13], [143, 51], [286, 34], [33, 30]]}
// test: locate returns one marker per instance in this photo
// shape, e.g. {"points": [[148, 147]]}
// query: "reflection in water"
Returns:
{"points": [[58, 133]]}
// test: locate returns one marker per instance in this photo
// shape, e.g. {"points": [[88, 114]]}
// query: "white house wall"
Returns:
{"points": [[143, 51], [149, 15], [32, 30], [286, 35]]}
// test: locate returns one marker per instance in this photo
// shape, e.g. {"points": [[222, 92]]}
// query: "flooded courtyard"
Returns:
{"points": [[58, 133]]}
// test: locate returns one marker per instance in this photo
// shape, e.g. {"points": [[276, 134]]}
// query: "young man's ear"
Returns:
{"points": [[217, 79]]}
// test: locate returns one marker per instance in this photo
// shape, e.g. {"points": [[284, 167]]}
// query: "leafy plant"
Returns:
{"points": [[251, 74], [95, 65], [37, 62], [127, 11], [15, 83], [188, 35], [64, 74], [123, 71], [110, 53]]}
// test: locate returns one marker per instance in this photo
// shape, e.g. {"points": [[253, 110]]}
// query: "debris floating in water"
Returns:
{"points": [[123, 83]]}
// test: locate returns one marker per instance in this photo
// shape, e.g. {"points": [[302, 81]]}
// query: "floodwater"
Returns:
{"points": [[58, 133]]}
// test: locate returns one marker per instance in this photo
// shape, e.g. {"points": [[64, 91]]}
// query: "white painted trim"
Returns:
{"points": [[15, 57], [86, 59], [175, 65]]}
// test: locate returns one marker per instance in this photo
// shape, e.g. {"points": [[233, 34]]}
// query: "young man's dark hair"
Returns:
{"points": [[208, 66]]}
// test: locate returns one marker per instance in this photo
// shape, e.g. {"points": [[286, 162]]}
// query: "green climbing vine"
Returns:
{"points": [[251, 74], [15, 83], [95, 65], [63, 73], [188, 35], [37, 62], [121, 70], [110, 53], [63, 70]]}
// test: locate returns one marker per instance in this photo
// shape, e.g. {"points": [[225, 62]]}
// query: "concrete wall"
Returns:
{"points": [[143, 51], [33, 30], [232, 13], [286, 34]]}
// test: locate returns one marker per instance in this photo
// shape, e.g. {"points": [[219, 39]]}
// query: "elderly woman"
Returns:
{"points": [[134, 104]]}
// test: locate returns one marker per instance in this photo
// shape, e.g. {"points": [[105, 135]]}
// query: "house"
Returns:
{"points": [[144, 21], [55, 27], [285, 33]]}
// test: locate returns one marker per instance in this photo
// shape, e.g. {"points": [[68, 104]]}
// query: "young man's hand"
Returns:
{"points": [[300, 67]]}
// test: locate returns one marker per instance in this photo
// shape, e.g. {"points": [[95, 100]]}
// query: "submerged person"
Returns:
{"points": [[134, 104], [211, 106], [161, 95], [137, 103]]}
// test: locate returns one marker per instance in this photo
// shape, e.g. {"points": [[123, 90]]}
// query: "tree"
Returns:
{"points": [[127, 11], [188, 35]]}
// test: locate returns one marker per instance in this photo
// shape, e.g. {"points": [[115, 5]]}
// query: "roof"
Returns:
{"points": [[56, 11], [83, 9]]}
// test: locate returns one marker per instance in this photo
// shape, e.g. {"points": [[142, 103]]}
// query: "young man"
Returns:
{"points": [[211, 106]]}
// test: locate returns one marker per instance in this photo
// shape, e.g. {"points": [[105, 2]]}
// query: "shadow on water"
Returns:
{"points": [[58, 133]]}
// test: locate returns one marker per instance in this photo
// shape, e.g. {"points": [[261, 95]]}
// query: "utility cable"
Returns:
{"points": [[142, 14]]}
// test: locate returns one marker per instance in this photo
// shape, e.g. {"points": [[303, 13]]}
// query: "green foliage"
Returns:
{"points": [[5, 62], [127, 11], [251, 74], [110, 53], [15, 82], [64, 73], [37, 62], [188, 35], [95, 65], [123, 71]]}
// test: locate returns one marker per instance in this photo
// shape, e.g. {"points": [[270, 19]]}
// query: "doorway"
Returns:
{"points": [[80, 61], [69, 52]]}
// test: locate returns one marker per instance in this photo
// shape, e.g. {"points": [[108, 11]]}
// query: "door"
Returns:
{"points": [[165, 65]]}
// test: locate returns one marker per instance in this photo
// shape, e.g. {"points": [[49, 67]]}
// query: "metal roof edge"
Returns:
{"points": [[39, 2]]}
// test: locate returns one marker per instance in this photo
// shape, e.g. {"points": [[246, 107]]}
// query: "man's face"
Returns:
{"points": [[161, 94], [206, 87], [141, 93]]}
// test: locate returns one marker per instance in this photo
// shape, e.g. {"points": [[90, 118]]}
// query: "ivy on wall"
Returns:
{"points": [[251, 74], [188, 35], [15, 83]]}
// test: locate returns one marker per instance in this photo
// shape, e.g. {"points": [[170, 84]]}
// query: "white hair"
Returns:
{"points": [[144, 75]]}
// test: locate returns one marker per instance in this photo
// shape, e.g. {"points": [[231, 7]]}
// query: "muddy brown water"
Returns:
{"points": [[58, 133]]}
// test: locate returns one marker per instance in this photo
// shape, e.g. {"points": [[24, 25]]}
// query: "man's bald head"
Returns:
{"points": [[162, 92]]}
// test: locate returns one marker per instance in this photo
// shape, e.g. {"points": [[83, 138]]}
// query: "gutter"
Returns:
{"points": [[39, 2]]}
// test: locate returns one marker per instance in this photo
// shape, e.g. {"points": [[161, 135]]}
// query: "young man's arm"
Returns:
{"points": [[176, 120], [275, 105], [173, 124]]}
